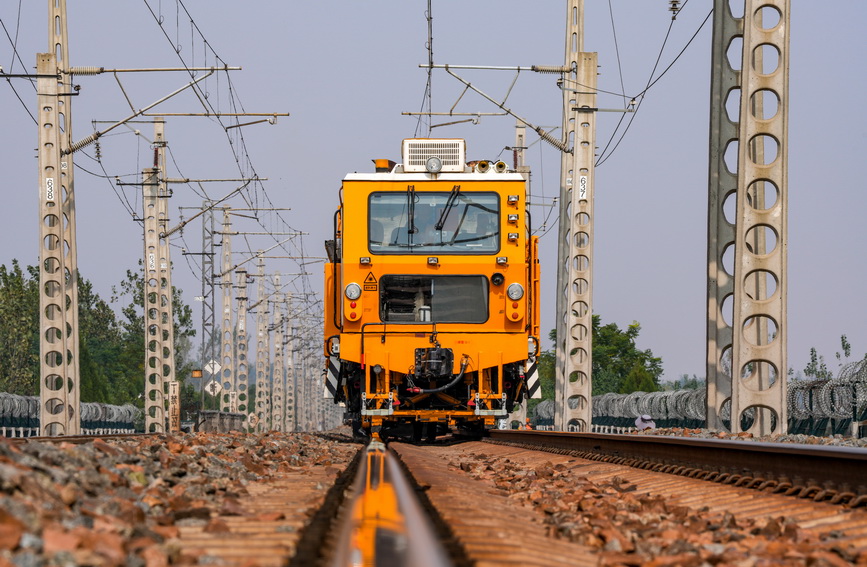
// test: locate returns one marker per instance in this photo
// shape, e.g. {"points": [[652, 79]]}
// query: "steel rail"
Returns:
{"points": [[384, 523], [815, 471]]}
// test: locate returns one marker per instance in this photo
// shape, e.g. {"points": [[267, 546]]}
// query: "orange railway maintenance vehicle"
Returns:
{"points": [[431, 294]]}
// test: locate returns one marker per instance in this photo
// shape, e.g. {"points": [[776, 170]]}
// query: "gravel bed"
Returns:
{"points": [[628, 527], [121, 503]]}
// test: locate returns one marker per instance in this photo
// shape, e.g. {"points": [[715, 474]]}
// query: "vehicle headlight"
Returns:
{"points": [[515, 291], [353, 291]]}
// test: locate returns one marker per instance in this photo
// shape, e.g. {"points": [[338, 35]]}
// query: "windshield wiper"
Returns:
{"points": [[410, 209], [450, 202]]}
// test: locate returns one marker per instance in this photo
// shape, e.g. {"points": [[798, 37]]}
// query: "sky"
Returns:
{"points": [[346, 71]]}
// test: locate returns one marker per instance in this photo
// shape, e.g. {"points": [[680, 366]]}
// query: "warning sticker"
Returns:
{"points": [[370, 282]]}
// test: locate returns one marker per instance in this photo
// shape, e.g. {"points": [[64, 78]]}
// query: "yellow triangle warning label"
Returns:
{"points": [[370, 279]]}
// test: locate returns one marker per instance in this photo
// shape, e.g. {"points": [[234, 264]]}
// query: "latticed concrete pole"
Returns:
{"points": [[759, 357], [227, 336], [158, 312], [58, 276], [277, 373], [263, 351], [722, 185], [291, 419], [747, 361], [242, 362], [575, 249], [306, 402], [60, 414]]}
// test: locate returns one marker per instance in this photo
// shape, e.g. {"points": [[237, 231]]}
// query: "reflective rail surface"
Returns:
{"points": [[384, 523], [818, 472]]}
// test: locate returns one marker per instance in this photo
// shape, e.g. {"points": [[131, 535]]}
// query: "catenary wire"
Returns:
{"points": [[651, 81]]}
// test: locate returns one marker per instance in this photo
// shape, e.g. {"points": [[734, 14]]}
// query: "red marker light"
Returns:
{"points": [[514, 315], [352, 315], [352, 304], [515, 304]]}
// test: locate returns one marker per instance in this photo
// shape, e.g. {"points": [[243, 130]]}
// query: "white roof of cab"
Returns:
{"points": [[397, 175]]}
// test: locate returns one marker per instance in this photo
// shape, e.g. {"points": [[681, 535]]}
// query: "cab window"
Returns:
{"points": [[453, 222]]}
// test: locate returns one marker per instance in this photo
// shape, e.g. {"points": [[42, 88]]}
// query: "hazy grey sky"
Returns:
{"points": [[346, 71]]}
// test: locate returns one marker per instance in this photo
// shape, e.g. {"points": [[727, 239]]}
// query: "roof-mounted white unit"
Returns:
{"points": [[434, 155]]}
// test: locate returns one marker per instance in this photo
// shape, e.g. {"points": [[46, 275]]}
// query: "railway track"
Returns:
{"points": [[596, 512], [304, 500], [835, 474]]}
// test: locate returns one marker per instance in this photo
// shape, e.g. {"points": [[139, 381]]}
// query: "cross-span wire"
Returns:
{"points": [[240, 152], [651, 81]]}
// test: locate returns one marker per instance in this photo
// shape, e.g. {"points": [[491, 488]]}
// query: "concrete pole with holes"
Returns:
{"points": [[263, 351], [59, 384], [746, 355], [278, 374], [227, 336], [242, 363], [157, 292], [292, 417], [574, 346]]}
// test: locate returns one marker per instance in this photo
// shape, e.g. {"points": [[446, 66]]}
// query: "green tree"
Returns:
{"points": [[111, 351], [638, 380], [100, 339], [618, 366], [19, 329], [132, 355], [816, 368]]}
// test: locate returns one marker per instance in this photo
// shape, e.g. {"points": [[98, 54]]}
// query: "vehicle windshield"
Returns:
{"points": [[453, 222]]}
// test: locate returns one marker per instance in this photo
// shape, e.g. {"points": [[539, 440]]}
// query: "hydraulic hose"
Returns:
{"points": [[454, 381]]}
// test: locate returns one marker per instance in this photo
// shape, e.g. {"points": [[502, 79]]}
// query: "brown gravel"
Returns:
{"points": [[629, 526], [126, 502]]}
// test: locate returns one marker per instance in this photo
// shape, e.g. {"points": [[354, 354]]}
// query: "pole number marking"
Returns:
{"points": [[582, 187], [49, 188]]}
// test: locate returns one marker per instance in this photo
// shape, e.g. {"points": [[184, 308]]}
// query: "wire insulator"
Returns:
{"points": [[86, 70], [552, 140], [551, 68], [81, 144]]}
